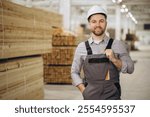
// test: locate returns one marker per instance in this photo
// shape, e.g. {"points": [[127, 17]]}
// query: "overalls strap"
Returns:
{"points": [[88, 48], [109, 44]]}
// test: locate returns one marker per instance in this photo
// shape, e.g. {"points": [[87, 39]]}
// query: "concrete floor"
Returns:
{"points": [[137, 85], [134, 87]]}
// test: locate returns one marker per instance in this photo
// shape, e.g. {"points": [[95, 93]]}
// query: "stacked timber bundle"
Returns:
{"points": [[21, 78], [25, 33], [57, 74], [59, 56], [57, 65], [64, 40]]}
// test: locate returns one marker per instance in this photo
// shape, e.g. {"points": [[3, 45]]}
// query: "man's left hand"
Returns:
{"points": [[109, 54], [117, 62]]}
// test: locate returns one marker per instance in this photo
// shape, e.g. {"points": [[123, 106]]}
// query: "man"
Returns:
{"points": [[102, 59]]}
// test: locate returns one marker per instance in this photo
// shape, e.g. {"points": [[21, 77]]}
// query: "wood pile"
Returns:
{"points": [[57, 65], [25, 34], [59, 56], [64, 40], [57, 74], [21, 78], [25, 31]]}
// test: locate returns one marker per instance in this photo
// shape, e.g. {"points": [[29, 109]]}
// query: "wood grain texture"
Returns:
{"points": [[21, 78], [25, 31], [57, 74]]}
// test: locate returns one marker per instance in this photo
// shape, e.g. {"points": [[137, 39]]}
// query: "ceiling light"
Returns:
{"points": [[119, 1], [132, 17], [123, 6], [122, 10], [126, 10], [116, 1]]}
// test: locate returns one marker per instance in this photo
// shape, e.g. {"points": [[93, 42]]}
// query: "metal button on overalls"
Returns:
{"points": [[101, 75]]}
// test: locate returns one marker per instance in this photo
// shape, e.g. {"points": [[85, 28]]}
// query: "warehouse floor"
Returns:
{"points": [[134, 87]]}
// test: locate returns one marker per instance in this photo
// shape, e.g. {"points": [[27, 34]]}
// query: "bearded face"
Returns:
{"points": [[97, 24]]}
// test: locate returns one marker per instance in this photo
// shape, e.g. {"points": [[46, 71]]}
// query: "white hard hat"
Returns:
{"points": [[96, 9]]}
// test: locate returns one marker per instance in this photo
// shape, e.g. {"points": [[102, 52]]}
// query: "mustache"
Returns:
{"points": [[98, 27]]}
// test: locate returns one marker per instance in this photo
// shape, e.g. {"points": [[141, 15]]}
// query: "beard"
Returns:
{"points": [[98, 31]]}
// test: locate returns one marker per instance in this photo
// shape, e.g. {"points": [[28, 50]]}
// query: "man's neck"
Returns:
{"points": [[98, 38]]}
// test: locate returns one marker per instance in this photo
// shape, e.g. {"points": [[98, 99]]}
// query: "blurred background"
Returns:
{"points": [[38, 39]]}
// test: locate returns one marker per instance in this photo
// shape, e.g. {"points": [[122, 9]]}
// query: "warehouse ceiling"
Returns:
{"points": [[140, 9]]}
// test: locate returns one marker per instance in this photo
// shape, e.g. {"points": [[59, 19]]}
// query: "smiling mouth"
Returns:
{"points": [[98, 28]]}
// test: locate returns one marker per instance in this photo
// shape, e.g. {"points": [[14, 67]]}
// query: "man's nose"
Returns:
{"points": [[98, 24]]}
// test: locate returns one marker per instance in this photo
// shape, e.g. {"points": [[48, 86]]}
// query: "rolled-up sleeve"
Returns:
{"points": [[127, 63], [76, 66]]}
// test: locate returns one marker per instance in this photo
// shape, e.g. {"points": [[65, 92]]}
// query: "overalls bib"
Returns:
{"points": [[101, 75]]}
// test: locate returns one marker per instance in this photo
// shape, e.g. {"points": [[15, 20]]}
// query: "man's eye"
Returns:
{"points": [[93, 21], [102, 21]]}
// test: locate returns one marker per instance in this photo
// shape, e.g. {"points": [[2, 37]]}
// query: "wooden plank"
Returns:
{"points": [[25, 53], [19, 22], [24, 49], [12, 33]]}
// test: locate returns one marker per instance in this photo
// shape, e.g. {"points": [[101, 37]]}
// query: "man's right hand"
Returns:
{"points": [[81, 87]]}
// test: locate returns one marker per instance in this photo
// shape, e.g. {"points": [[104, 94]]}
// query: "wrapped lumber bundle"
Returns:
{"points": [[57, 74], [57, 64], [25, 31], [59, 56], [21, 78]]}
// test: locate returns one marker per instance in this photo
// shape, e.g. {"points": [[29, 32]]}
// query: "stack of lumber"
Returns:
{"points": [[57, 65], [25, 31], [59, 56], [21, 78], [57, 74], [64, 40], [25, 34]]}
